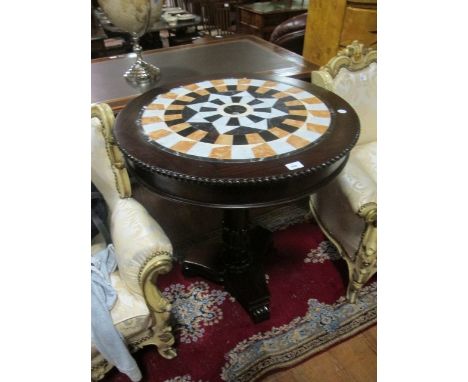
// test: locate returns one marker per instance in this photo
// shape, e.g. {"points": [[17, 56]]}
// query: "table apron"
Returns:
{"points": [[244, 195]]}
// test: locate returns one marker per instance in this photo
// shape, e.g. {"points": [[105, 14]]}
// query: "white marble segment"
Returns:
{"points": [[247, 122], [318, 120], [266, 102], [200, 117], [223, 98], [202, 149], [155, 126], [205, 84], [315, 106], [307, 134], [170, 140], [257, 82], [153, 113], [220, 125], [281, 87], [242, 152], [303, 95], [262, 125], [273, 114], [231, 81], [281, 146], [246, 97], [180, 91], [162, 100], [198, 106]]}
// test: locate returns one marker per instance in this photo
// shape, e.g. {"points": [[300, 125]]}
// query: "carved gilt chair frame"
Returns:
{"points": [[362, 265]]}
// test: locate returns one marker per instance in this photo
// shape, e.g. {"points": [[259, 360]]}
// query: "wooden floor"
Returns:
{"points": [[354, 360]]}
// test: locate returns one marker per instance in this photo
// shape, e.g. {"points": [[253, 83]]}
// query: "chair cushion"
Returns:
{"points": [[337, 204], [360, 90]]}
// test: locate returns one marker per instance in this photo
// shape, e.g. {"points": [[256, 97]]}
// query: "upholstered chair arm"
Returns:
{"points": [[137, 239]]}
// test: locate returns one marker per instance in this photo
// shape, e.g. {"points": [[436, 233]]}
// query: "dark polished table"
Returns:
{"points": [[235, 143], [230, 55], [262, 17]]}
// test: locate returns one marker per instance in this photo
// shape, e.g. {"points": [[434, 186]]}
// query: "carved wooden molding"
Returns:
{"points": [[160, 308], [122, 182], [354, 57]]}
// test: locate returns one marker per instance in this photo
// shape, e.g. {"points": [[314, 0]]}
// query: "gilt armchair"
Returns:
{"points": [[142, 250], [346, 208]]}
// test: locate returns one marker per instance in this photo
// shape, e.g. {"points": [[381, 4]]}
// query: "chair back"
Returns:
{"points": [[108, 172], [218, 17], [352, 74]]}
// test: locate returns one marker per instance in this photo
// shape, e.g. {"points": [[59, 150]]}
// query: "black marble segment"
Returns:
{"points": [[267, 136]]}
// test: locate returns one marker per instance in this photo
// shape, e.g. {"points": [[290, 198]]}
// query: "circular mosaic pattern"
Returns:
{"points": [[235, 119]]}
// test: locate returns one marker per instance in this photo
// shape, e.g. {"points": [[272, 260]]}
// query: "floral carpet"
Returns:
{"points": [[217, 341]]}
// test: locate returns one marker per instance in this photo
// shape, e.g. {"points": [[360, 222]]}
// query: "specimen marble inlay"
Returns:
{"points": [[235, 119]]}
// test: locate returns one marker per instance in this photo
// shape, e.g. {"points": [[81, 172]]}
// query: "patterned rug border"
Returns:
{"points": [[309, 350]]}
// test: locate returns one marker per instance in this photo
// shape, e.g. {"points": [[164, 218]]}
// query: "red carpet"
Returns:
{"points": [[217, 341]]}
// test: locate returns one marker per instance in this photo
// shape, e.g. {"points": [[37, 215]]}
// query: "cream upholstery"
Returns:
{"points": [[142, 250], [346, 208]]}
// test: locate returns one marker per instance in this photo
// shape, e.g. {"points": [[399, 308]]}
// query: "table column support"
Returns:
{"points": [[242, 256], [237, 262]]}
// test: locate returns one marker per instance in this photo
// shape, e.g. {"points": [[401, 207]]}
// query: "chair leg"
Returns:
{"points": [[365, 263], [360, 272]]}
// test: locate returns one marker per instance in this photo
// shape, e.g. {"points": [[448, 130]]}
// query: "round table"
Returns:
{"points": [[236, 143]]}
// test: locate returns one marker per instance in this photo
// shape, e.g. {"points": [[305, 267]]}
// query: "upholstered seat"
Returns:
{"points": [[346, 208], [142, 250], [290, 34]]}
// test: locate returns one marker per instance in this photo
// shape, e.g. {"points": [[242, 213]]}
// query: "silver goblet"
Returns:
{"points": [[135, 17]]}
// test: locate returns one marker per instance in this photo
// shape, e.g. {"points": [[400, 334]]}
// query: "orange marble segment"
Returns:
{"points": [[185, 98], [191, 87], [202, 92], [278, 132], [320, 113], [221, 88], [147, 120], [223, 152], [293, 122], [297, 142], [294, 90], [262, 90], [298, 112], [270, 84], [316, 128], [172, 117], [217, 82], [254, 138], [294, 103], [175, 107], [243, 84], [311, 100], [263, 151], [224, 139], [183, 146], [156, 134], [169, 95], [180, 126], [280, 95], [155, 106], [197, 135]]}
